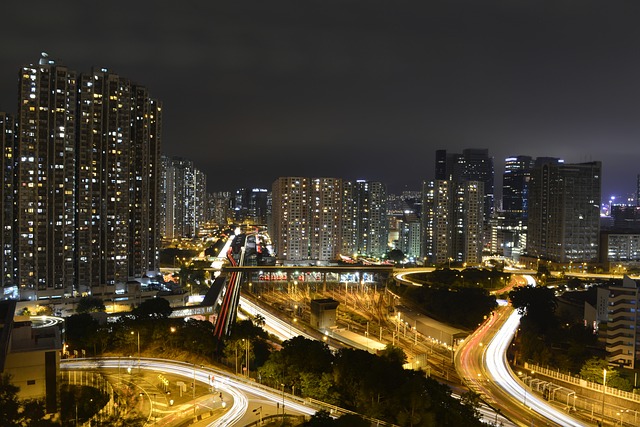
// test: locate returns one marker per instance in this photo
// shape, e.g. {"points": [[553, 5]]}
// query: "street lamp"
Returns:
{"points": [[604, 387], [282, 403], [138, 333], [173, 331]]}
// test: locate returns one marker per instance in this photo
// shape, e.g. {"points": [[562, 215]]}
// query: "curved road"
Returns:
{"points": [[481, 362], [235, 387]]}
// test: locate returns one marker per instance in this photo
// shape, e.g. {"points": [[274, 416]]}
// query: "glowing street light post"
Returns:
{"points": [[282, 403], [604, 387], [138, 333]]}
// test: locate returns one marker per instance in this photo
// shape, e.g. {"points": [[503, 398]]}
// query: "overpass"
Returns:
{"points": [[224, 294]]}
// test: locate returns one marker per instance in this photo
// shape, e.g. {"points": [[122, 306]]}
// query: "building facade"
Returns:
{"points": [[291, 218], [564, 212], [8, 132], [365, 228], [453, 222], [46, 187], [620, 327], [86, 191], [473, 164], [325, 218], [251, 206], [219, 205], [316, 219], [185, 196]]}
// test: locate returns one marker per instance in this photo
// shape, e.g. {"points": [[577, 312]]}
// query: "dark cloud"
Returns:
{"points": [[253, 90]]}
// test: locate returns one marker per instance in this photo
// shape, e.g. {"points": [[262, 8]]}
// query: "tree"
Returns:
{"points": [[394, 355], [14, 412], [157, 308], [472, 401], [298, 355], [322, 418], [259, 320], [90, 304], [537, 303], [82, 330], [593, 370], [395, 255], [351, 420], [9, 404]]}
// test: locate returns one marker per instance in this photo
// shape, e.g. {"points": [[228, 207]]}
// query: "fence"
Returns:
{"points": [[98, 381], [583, 383]]}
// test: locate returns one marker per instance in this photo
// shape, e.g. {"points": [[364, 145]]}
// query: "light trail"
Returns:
{"points": [[45, 321], [222, 381], [496, 364], [282, 329]]}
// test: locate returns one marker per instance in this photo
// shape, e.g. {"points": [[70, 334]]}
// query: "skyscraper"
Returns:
{"points": [[118, 194], [509, 226], [7, 214], [46, 187], [564, 211], [87, 190], [515, 185], [474, 164], [186, 193], [452, 221], [318, 218], [219, 207], [250, 205], [364, 218], [325, 212], [291, 218]]}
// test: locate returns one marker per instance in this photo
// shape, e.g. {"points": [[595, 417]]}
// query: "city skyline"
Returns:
{"points": [[360, 90]]}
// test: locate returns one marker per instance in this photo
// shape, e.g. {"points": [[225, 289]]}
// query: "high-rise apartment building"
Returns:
{"points": [[453, 221], [617, 314], [8, 132], [291, 218], [46, 172], [325, 199], [144, 184], [86, 195], [410, 236], [318, 218], [468, 222], [564, 211], [365, 228], [185, 198], [219, 205], [473, 164], [118, 179]]}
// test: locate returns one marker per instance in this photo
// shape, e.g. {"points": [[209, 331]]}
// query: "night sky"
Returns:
{"points": [[253, 90]]}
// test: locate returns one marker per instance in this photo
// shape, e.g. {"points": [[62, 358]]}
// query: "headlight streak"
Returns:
{"points": [[496, 364], [284, 330], [222, 381]]}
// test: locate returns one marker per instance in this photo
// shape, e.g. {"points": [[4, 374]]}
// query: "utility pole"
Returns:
{"points": [[604, 389]]}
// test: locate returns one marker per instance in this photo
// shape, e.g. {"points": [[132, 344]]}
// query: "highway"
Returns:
{"points": [[236, 387], [481, 362]]}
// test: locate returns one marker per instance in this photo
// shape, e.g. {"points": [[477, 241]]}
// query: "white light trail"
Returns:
{"points": [[222, 381], [496, 364]]}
